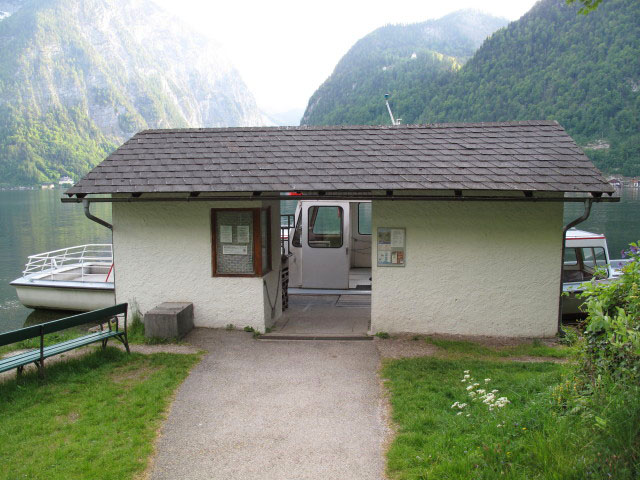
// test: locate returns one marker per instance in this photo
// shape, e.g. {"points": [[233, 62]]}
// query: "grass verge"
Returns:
{"points": [[533, 437], [536, 348], [94, 417]]}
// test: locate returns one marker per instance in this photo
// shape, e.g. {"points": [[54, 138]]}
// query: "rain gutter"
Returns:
{"points": [[389, 197], [587, 211], [86, 203]]}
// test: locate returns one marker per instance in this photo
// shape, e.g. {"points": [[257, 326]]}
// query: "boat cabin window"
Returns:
{"points": [[570, 257], [297, 234], [580, 264], [594, 257], [240, 241], [364, 218], [325, 226]]}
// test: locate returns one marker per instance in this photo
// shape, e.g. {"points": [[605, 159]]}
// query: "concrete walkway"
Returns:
{"points": [[275, 410]]}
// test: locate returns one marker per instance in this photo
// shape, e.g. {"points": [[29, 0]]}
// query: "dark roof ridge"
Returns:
{"points": [[350, 127]]}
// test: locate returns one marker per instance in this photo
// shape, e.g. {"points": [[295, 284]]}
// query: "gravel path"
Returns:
{"points": [[256, 409]]}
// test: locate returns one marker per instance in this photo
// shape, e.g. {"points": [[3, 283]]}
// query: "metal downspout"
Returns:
{"points": [[587, 211], [90, 216]]}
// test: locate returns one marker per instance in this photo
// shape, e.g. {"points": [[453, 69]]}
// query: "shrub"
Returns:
{"points": [[612, 330]]}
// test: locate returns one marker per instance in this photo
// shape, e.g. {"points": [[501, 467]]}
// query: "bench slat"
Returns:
{"points": [[31, 356], [33, 331], [19, 335], [95, 316]]}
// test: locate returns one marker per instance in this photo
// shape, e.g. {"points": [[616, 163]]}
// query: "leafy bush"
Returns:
{"points": [[612, 331]]}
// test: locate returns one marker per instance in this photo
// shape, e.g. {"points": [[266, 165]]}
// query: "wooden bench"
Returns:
{"points": [[37, 356]]}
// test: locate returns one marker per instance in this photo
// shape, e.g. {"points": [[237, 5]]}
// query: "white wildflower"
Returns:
{"points": [[459, 413], [470, 387], [487, 380], [467, 372]]}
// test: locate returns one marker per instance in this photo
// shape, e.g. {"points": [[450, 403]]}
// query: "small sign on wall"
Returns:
{"points": [[391, 247], [234, 250]]}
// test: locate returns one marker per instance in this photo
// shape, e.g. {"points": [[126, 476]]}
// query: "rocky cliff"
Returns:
{"points": [[78, 77]]}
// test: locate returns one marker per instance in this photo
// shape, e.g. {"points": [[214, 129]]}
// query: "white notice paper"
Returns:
{"points": [[397, 237], [234, 249], [243, 233], [226, 234]]}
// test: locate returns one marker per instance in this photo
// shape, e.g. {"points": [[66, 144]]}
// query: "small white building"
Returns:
{"points": [[196, 218]]}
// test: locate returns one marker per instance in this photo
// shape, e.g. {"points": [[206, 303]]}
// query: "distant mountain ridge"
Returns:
{"points": [[398, 59], [77, 77]]}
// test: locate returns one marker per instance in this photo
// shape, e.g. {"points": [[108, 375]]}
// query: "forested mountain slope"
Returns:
{"points": [[581, 70], [77, 77], [402, 59]]}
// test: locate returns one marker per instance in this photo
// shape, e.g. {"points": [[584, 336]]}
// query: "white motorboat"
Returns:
{"points": [[76, 278], [584, 253]]}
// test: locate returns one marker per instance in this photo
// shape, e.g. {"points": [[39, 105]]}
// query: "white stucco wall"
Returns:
{"points": [[472, 268], [162, 251]]}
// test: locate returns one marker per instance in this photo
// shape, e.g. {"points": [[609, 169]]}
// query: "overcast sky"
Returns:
{"points": [[285, 49]]}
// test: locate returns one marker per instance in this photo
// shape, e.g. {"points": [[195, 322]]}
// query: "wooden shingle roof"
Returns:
{"points": [[505, 156]]}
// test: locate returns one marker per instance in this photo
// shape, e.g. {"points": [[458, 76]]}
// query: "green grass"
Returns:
{"points": [[538, 438], [93, 417], [471, 349]]}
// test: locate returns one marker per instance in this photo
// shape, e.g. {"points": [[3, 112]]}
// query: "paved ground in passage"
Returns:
{"points": [[256, 409], [326, 314]]}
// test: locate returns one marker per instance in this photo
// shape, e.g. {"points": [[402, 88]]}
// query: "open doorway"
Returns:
{"points": [[327, 245]]}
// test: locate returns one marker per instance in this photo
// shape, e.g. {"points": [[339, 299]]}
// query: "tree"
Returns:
{"points": [[588, 6]]}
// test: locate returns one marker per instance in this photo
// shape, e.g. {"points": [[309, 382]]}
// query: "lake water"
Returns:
{"points": [[35, 221]]}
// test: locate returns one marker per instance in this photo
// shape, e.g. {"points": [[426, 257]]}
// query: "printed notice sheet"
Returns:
{"points": [[226, 234], [391, 247], [243, 233], [234, 249]]}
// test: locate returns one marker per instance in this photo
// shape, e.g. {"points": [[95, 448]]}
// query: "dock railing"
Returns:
{"points": [[81, 256], [286, 223]]}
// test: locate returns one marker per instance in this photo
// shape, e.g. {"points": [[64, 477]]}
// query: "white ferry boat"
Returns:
{"points": [[76, 278]]}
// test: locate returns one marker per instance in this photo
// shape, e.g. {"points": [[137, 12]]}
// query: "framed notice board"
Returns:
{"points": [[241, 241], [391, 247]]}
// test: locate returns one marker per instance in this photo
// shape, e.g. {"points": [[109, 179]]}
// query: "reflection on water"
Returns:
{"points": [[37, 317], [35, 221]]}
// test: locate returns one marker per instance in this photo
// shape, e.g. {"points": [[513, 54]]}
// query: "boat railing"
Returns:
{"points": [[81, 256]]}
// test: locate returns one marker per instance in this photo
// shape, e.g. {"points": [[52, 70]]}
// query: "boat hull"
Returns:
{"points": [[79, 298]]}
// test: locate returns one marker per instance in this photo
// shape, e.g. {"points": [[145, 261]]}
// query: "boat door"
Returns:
{"points": [[325, 244]]}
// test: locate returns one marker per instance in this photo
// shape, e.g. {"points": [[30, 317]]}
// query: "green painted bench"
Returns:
{"points": [[37, 356]]}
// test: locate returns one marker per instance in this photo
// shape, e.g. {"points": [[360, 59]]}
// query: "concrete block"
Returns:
{"points": [[169, 320]]}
